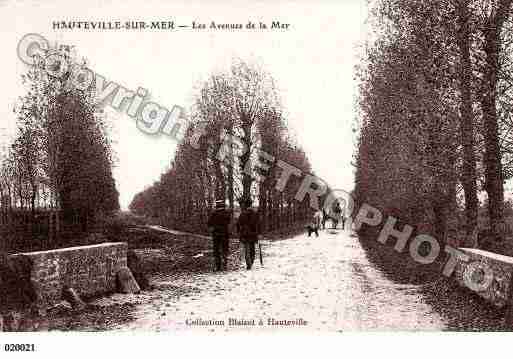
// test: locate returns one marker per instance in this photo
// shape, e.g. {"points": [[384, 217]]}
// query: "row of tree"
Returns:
{"points": [[435, 115], [60, 160], [235, 116]]}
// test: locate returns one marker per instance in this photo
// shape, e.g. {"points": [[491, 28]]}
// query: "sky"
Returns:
{"points": [[312, 63]]}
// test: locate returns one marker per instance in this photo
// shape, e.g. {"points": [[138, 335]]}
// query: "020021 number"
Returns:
{"points": [[19, 347]]}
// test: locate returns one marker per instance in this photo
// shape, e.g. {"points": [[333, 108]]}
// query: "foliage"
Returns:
{"points": [[433, 114], [242, 102], [61, 157]]}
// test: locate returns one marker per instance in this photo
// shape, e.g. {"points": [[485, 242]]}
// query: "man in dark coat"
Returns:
{"points": [[324, 218], [314, 226], [337, 213], [219, 227], [249, 230]]}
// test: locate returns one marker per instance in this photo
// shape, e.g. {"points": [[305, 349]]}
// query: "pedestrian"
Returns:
{"points": [[219, 228], [324, 218], [337, 211], [313, 227], [249, 229]]}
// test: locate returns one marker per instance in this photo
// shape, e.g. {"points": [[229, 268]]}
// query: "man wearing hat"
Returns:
{"points": [[219, 227], [249, 230]]}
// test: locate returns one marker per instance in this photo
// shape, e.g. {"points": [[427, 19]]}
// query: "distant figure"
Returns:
{"points": [[313, 227], [343, 217], [249, 229], [324, 218], [337, 212], [219, 228]]}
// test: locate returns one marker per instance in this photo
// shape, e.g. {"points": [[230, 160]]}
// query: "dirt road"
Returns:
{"points": [[323, 283]]}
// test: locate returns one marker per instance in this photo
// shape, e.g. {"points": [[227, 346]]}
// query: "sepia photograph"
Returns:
{"points": [[218, 169]]}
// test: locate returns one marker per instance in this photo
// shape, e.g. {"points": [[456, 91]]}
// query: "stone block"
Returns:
{"points": [[89, 270], [126, 282], [71, 296], [501, 268], [136, 266]]}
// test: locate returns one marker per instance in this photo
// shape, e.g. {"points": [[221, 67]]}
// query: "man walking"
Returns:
{"points": [[324, 218], [219, 228], [342, 214], [337, 212], [249, 230], [316, 223]]}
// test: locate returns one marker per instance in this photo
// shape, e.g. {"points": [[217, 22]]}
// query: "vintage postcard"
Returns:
{"points": [[261, 167]]}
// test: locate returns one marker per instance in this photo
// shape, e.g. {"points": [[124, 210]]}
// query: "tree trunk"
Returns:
{"points": [[468, 178], [247, 179], [231, 196], [493, 167]]}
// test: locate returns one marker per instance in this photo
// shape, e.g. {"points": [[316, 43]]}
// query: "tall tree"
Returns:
{"points": [[469, 176], [494, 17], [240, 103]]}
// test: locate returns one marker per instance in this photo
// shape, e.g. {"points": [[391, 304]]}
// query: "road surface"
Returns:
{"points": [[323, 283]]}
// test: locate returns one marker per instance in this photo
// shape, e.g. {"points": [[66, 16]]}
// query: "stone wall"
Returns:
{"points": [[90, 270], [501, 267]]}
